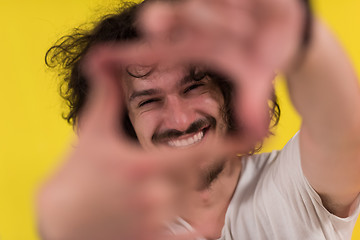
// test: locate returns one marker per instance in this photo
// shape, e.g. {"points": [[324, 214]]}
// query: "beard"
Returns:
{"points": [[209, 174]]}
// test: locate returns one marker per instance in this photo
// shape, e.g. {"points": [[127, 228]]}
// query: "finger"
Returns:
{"points": [[199, 17], [279, 34], [104, 103], [183, 166], [217, 18]]}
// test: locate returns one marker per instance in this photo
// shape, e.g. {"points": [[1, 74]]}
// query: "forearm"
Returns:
{"points": [[325, 89]]}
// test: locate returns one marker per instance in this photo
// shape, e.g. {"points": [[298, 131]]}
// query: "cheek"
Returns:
{"points": [[210, 103], [213, 104], [144, 126]]}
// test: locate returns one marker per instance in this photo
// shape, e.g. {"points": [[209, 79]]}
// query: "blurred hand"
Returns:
{"points": [[108, 188], [247, 40]]}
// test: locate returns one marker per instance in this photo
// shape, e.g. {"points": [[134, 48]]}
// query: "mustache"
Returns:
{"points": [[193, 128]]}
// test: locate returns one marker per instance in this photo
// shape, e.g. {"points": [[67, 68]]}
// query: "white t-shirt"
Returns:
{"points": [[273, 200]]}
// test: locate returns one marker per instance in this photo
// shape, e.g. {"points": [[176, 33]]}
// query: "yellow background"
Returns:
{"points": [[33, 137]]}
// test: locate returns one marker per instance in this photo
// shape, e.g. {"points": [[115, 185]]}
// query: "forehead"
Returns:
{"points": [[161, 76]]}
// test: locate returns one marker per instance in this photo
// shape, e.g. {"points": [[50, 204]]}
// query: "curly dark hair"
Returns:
{"points": [[68, 52]]}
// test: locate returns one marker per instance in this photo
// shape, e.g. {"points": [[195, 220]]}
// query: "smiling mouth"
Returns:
{"points": [[188, 141]]}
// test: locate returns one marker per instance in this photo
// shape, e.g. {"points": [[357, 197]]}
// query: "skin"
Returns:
{"points": [[104, 166], [322, 82], [330, 152], [176, 102], [173, 101]]}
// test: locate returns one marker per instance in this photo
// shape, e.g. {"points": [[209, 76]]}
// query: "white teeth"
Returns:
{"points": [[186, 142], [196, 138]]}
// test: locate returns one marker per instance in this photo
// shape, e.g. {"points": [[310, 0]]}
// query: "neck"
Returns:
{"points": [[209, 205]]}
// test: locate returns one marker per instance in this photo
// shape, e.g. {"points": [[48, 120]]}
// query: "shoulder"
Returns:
{"points": [[290, 154]]}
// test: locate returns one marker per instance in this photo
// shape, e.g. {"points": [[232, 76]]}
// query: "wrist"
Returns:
{"points": [[306, 38]]}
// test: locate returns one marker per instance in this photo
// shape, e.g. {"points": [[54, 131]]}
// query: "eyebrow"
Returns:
{"points": [[147, 92], [153, 91], [185, 80]]}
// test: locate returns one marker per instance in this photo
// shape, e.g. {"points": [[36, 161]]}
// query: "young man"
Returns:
{"points": [[110, 189]]}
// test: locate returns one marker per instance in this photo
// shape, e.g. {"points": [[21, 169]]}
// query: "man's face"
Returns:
{"points": [[169, 108]]}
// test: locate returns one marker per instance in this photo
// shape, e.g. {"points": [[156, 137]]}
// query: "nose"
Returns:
{"points": [[178, 113]]}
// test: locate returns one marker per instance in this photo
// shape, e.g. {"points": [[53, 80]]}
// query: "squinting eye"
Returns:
{"points": [[193, 86], [148, 101]]}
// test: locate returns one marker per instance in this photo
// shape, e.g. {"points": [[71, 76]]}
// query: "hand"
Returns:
{"points": [[248, 40], [109, 188]]}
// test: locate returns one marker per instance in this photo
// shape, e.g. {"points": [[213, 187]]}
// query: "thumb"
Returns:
{"points": [[252, 95]]}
